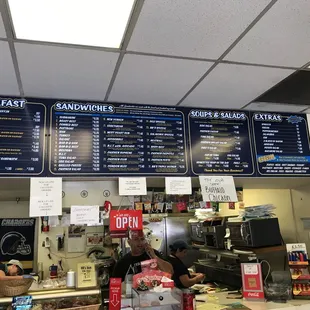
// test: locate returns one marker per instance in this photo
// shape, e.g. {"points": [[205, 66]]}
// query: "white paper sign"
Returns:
{"points": [[178, 185], [81, 215], [218, 188], [45, 197], [132, 186], [250, 269]]}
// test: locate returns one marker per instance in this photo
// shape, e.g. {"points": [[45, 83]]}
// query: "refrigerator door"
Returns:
{"points": [[158, 232], [178, 228]]}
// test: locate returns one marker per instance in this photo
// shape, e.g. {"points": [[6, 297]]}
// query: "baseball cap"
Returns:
{"points": [[179, 244], [17, 263]]}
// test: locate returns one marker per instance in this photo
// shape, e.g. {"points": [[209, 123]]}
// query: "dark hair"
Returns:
{"points": [[173, 249]]}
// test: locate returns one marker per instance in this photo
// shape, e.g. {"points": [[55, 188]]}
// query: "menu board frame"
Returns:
{"points": [[262, 174], [219, 111], [183, 113], [43, 134], [131, 107]]}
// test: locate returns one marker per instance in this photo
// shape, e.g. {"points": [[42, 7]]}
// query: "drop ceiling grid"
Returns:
{"points": [[155, 80], [233, 86], [2, 29], [281, 37], [203, 28], [8, 81], [58, 72]]}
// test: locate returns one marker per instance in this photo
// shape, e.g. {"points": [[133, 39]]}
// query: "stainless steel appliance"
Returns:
{"points": [[177, 227], [196, 232], [255, 233], [214, 232]]}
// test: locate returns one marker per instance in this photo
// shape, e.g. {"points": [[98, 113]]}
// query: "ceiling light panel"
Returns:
{"points": [[8, 81], [193, 28], [232, 86], [280, 38], [155, 80], [62, 72], [275, 107], [93, 23]]}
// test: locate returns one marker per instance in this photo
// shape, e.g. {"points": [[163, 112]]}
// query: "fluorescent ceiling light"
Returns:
{"points": [[83, 22]]}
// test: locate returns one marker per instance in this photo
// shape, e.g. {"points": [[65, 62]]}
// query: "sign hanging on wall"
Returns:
{"points": [[132, 186], [17, 239], [218, 188], [84, 215], [45, 197], [178, 185], [123, 220]]}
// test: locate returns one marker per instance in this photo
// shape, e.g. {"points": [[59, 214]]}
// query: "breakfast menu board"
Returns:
{"points": [[111, 139], [220, 142], [281, 143], [22, 137]]}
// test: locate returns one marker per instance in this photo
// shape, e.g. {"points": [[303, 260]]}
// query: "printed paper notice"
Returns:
{"points": [[178, 185], [218, 188], [45, 197], [250, 269], [132, 186], [84, 215]]}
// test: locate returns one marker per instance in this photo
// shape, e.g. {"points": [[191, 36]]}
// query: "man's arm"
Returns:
{"points": [[162, 264], [4, 277]]}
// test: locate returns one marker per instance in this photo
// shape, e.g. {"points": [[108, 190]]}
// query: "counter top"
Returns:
{"points": [[221, 299]]}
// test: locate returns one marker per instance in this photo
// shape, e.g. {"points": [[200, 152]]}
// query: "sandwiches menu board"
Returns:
{"points": [[220, 142], [281, 144], [22, 137], [106, 139]]}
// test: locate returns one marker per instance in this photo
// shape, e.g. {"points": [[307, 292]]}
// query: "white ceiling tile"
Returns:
{"points": [[58, 72], [8, 82], [281, 37], [275, 107], [155, 80], [196, 28], [233, 86], [2, 30]]}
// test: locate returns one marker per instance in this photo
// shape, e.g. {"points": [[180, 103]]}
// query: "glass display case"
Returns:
{"points": [[59, 299], [145, 300]]}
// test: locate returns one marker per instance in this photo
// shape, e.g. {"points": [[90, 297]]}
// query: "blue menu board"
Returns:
{"points": [[281, 144], [116, 139], [220, 142], [22, 137]]}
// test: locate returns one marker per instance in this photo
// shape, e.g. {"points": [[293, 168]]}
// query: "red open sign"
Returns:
{"points": [[122, 220]]}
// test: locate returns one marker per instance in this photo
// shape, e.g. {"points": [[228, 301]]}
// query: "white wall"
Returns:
{"points": [[281, 198]]}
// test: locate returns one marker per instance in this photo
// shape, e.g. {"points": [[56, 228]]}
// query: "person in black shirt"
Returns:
{"points": [[181, 276], [140, 251]]}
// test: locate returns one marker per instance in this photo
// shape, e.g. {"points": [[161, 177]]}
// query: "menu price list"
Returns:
{"points": [[281, 143], [220, 142], [123, 141], [22, 128]]}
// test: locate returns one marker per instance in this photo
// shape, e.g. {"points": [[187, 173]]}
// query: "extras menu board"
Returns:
{"points": [[220, 142], [281, 144], [106, 139], [22, 137]]}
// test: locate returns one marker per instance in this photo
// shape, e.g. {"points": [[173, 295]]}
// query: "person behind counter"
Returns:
{"points": [[181, 276], [13, 270], [140, 251]]}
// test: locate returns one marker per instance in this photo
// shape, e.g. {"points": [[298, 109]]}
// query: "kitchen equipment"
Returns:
{"points": [[196, 231], [254, 233], [214, 232], [70, 278], [53, 271]]}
